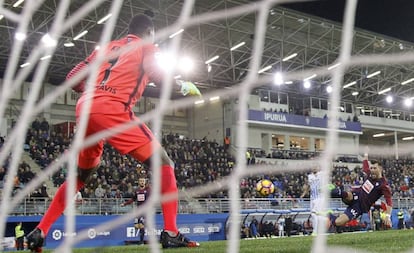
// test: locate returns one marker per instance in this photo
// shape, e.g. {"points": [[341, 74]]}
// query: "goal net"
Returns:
{"points": [[180, 24]]}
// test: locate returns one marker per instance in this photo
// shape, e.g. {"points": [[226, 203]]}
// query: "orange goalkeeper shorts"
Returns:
{"points": [[137, 138]]}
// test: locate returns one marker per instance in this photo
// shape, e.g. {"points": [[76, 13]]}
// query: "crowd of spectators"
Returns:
{"points": [[197, 162], [293, 154], [24, 175], [45, 144]]}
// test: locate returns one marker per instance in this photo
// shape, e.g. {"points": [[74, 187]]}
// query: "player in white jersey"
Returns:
{"points": [[313, 187]]}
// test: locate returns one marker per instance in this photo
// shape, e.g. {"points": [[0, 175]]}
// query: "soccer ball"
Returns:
{"points": [[265, 187]]}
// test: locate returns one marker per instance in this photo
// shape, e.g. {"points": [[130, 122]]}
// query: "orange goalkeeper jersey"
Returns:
{"points": [[121, 80]]}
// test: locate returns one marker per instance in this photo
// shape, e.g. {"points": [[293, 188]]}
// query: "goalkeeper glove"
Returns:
{"points": [[188, 88]]}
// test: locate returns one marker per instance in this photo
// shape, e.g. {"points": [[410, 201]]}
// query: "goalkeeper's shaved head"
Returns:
{"points": [[141, 25]]}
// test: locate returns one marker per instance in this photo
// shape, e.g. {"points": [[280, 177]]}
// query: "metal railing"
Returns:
{"points": [[111, 206]]}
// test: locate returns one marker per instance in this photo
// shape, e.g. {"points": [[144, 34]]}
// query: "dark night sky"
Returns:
{"points": [[394, 18]]}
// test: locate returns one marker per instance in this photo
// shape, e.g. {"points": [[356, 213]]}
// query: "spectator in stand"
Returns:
{"points": [[59, 180], [44, 126], [87, 193], [205, 161], [43, 191], [2, 175], [123, 186], [78, 199], [28, 173], [118, 194], [355, 118], [16, 183], [36, 124], [100, 191]]}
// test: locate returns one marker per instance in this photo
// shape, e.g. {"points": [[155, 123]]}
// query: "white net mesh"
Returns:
{"points": [[61, 23]]}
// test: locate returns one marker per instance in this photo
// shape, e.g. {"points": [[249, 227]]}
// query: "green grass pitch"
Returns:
{"points": [[380, 241]]}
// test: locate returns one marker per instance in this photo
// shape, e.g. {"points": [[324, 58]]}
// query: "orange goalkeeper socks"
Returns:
{"points": [[57, 207], [169, 208]]}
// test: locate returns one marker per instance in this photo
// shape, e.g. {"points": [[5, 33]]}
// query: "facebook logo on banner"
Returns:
{"points": [[199, 227], [130, 232]]}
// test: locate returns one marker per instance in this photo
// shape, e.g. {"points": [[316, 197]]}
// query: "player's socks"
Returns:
{"points": [[57, 207], [169, 208], [315, 222], [332, 219]]}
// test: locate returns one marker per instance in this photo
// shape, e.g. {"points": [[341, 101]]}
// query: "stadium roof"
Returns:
{"points": [[315, 41], [390, 17]]}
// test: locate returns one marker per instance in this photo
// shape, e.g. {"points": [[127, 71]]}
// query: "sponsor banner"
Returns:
{"points": [[186, 229], [59, 234], [8, 243], [200, 227], [299, 120]]}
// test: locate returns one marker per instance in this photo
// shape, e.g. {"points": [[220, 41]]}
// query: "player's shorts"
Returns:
{"points": [[354, 209], [138, 137], [316, 206]]}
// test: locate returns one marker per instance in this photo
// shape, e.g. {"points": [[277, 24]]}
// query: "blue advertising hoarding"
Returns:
{"points": [[299, 120], [199, 227]]}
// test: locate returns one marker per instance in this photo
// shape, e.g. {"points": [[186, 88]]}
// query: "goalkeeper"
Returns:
{"points": [[120, 83]]}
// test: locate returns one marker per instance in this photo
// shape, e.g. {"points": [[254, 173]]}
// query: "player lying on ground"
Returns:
{"points": [[360, 199]]}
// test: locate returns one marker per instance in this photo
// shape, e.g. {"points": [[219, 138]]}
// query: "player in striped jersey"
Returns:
{"points": [[313, 187]]}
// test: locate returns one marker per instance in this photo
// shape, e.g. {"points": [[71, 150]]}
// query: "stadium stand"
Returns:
{"points": [[199, 161], [202, 161]]}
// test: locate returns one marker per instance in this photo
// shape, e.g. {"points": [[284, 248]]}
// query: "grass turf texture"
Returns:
{"points": [[380, 241]]}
